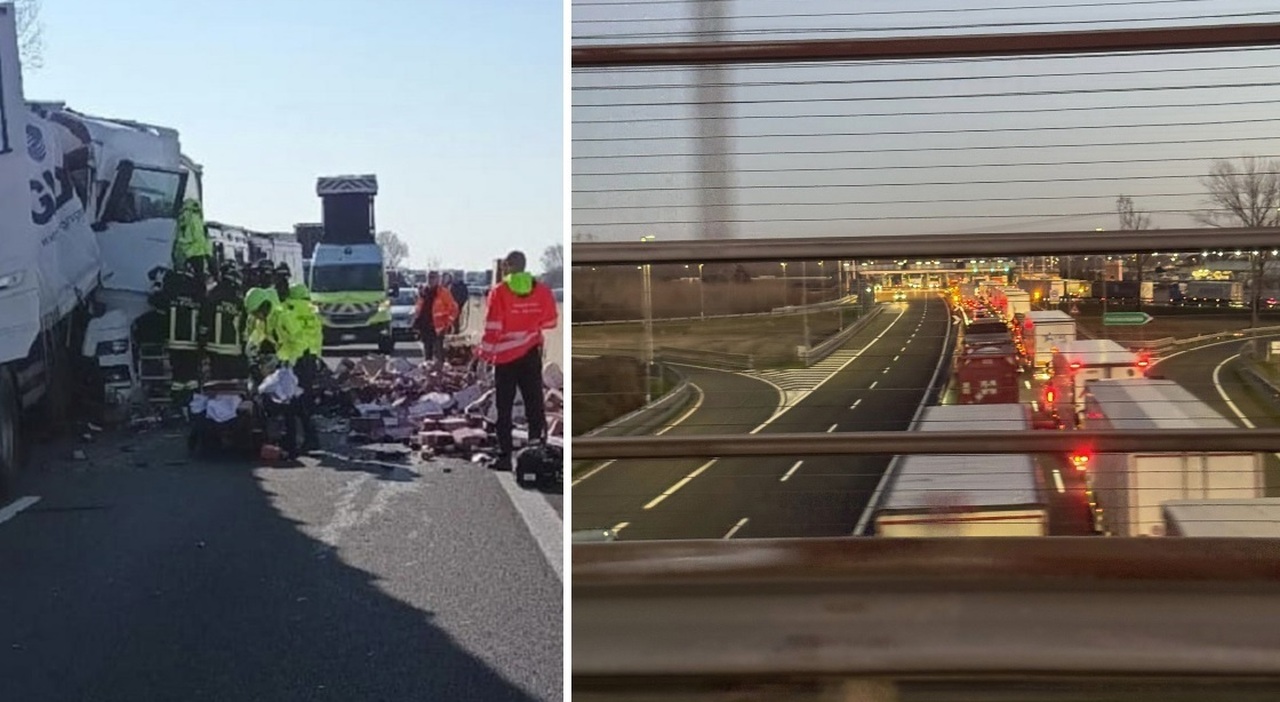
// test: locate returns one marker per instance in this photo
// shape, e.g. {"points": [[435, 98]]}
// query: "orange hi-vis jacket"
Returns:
{"points": [[515, 322], [444, 310]]}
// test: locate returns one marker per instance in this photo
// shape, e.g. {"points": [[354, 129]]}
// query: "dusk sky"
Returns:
{"points": [[912, 147]]}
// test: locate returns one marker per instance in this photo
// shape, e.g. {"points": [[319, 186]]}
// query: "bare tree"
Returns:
{"points": [[1134, 220], [394, 250], [553, 265], [1246, 194], [30, 33]]}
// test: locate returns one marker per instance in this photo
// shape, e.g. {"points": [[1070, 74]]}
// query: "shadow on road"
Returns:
{"points": [[187, 583]]}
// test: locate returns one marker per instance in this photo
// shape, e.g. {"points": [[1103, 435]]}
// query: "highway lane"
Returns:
{"points": [[142, 574], [1194, 370], [822, 496], [615, 492]]}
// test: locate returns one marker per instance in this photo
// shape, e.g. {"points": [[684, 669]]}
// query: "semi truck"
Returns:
{"points": [[965, 495], [89, 208], [1078, 363], [1207, 293], [348, 277], [1043, 333], [1131, 488]]}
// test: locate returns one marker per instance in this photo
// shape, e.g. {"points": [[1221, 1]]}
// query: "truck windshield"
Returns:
{"points": [[151, 194], [362, 277]]}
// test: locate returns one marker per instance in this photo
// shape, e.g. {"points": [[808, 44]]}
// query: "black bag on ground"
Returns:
{"points": [[541, 465]]}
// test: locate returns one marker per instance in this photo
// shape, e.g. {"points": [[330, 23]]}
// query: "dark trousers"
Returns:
{"points": [[228, 367], [524, 373], [300, 409], [432, 346]]}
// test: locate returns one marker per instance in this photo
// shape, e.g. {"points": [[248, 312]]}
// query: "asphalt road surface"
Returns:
{"points": [[878, 386], [1210, 373], [138, 574]]}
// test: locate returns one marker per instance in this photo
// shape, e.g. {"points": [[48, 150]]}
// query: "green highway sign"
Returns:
{"points": [[1126, 319]]}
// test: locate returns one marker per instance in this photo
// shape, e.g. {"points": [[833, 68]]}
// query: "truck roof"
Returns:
{"points": [[1146, 403], [973, 481], [1259, 517], [1006, 417], [1097, 352], [1042, 317], [976, 481]]}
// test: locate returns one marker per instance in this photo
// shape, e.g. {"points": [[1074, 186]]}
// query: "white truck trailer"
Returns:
{"points": [[1258, 518], [1131, 488], [1078, 363], [1044, 332], [89, 207], [965, 495]]}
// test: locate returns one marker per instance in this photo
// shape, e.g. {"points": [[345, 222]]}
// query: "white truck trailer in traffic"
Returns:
{"points": [[1078, 363], [959, 495], [89, 207], [1044, 332], [1131, 488], [1257, 518]]}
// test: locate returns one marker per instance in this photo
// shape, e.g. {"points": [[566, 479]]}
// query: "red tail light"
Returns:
{"points": [[1050, 396], [1075, 366], [1080, 461]]}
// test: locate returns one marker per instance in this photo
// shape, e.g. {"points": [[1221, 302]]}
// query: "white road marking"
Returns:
{"points": [[790, 472], [902, 350], [593, 471], [544, 524], [895, 358], [696, 404], [801, 396], [873, 385], [620, 526], [676, 422], [856, 403], [832, 428], [17, 506], [1223, 392], [679, 484], [1057, 481], [886, 370], [1027, 384], [783, 410], [735, 528]]}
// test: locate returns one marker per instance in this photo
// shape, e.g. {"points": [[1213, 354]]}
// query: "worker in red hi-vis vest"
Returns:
{"points": [[520, 309]]}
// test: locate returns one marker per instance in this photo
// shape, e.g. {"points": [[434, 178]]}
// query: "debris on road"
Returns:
{"points": [[448, 409]]}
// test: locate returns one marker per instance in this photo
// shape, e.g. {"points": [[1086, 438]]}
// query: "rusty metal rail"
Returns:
{"points": [[924, 443], [1062, 243], [926, 607], [926, 47]]}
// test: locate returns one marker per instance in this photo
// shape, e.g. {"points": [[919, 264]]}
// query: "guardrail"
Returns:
{"points": [[1169, 343], [715, 359], [644, 420], [814, 354], [775, 312]]}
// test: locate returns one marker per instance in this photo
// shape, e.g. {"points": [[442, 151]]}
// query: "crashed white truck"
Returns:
{"points": [[89, 208]]}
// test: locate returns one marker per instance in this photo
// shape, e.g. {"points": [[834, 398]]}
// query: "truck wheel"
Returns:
{"points": [[9, 453], [386, 346]]}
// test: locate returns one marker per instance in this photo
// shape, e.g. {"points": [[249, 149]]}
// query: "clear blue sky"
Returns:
{"points": [[456, 106]]}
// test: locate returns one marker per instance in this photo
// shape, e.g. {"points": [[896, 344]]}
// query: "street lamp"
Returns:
{"points": [[804, 299], [785, 298], [648, 327], [702, 300]]}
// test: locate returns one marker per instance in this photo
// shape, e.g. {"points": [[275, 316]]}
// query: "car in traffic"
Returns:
{"points": [[900, 296], [402, 304]]}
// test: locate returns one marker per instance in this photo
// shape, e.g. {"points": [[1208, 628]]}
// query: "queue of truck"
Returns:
{"points": [[1091, 384]]}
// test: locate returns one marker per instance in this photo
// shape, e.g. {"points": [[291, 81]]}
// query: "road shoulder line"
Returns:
{"points": [[544, 524]]}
